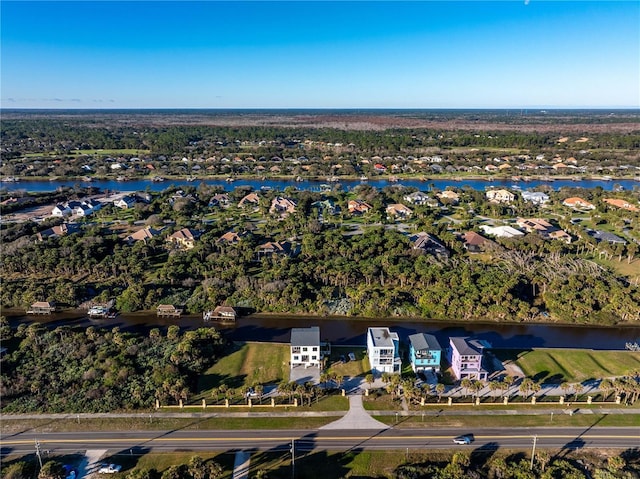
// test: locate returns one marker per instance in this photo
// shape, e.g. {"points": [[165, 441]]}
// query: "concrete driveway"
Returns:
{"points": [[302, 375]]}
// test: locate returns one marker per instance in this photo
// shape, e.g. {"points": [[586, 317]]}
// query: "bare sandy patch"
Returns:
{"points": [[564, 139], [582, 140]]}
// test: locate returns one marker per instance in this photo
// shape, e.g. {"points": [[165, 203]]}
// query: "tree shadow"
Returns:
{"points": [[480, 456]]}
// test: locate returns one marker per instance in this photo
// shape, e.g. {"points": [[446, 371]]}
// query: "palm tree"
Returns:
{"points": [[466, 384], [607, 386], [577, 389], [565, 386], [440, 388], [525, 386], [369, 378]]}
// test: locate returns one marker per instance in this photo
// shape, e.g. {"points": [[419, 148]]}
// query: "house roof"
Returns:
{"points": [[382, 337], [184, 234], [576, 201], [144, 233], [620, 203], [467, 347], [471, 238], [608, 237], [305, 336], [422, 341]]}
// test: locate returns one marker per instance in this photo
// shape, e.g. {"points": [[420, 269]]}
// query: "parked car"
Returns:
{"points": [[109, 468], [464, 440]]}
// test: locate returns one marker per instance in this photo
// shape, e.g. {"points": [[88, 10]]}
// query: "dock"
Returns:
{"points": [[168, 311], [221, 313]]}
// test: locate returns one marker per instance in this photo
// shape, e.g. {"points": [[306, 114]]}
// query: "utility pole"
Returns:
{"points": [[533, 452], [293, 458], [38, 453]]}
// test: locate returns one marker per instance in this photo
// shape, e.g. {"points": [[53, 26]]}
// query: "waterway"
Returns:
{"points": [[281, 184], [352, 331]]}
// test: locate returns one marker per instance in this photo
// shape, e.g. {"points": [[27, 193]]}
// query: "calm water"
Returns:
{"points": [[141, 185], [352, 331]]}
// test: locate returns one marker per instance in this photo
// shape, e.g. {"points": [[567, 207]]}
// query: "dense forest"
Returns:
{"points": [[337, 264], [95, 370]]}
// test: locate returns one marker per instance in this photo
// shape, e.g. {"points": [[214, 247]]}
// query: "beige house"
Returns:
{"points": [[398, 210], [500, 196], [282, 206], [576, 202], [185, 238], [452, 196], [622, 204]]}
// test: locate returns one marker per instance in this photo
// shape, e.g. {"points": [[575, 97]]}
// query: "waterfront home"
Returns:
{"points": [[424, 353], [622, 204], [42, 307], [185, 238], [429, 244], [398, 211], [358, 207], [383, 351], [221, 313], [501, 231], [500, 196], [535, 197], [465, 357], [576, 202], [305, 347], [282, 206], [168, 311]]}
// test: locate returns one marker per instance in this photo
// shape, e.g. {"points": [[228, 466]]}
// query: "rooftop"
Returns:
{"points": [[422, 341], [382, 337], [305, 336]]}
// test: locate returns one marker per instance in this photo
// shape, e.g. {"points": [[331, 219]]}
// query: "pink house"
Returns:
{"points": [[465, 356]]}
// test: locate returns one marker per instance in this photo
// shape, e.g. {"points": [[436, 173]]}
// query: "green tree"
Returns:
{"points": [[52, 470]]}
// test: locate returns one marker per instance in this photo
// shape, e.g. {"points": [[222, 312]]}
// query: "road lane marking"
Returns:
{"points": [[312, 439]]}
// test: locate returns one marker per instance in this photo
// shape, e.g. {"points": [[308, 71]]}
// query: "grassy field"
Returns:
{"points": [[359, 367], [571, 365], [248, 364], [560, 420], [630, 270], [329, 464]]}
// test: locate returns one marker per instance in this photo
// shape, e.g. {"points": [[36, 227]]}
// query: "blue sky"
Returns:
{"points": [[206, 54]]}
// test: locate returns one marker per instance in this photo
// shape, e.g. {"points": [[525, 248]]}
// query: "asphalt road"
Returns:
{"points": [[139, 442]]}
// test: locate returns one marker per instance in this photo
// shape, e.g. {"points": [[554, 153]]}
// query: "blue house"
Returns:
{"points": [[424, 353]]}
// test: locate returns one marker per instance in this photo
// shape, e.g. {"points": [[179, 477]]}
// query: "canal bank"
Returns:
{"points": [[349, 330]]}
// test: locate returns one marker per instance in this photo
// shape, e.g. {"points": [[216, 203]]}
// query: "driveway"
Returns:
{"points": [[302, 375]]}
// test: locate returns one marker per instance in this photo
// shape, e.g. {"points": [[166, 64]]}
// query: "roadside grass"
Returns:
{"points": [[329, 464], [247, 364], [162, 462], [571, 365], [495, 420], [221, 422], [359, 367]]}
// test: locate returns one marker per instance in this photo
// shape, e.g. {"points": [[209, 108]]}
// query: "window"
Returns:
{"points": [[304, 349]]}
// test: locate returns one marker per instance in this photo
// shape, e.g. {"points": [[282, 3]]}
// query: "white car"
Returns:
{"points": [[464, 440], [109, 468]]}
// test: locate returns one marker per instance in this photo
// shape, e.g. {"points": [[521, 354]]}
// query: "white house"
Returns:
{"points": [[501, 231], [535, 197], [125, 202], [305, 347], [383, 351]]}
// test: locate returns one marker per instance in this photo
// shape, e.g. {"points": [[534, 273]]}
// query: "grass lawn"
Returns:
{"points": [[359, 367], [161, 462], [571, 365], [329, 464], [248, 364], [630, 270], [577, 420]]}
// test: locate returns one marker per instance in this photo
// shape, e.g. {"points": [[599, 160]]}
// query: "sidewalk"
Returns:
{"points": [[431, 410]]}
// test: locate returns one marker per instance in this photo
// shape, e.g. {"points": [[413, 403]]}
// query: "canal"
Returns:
{"points": [[347, 330]]}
